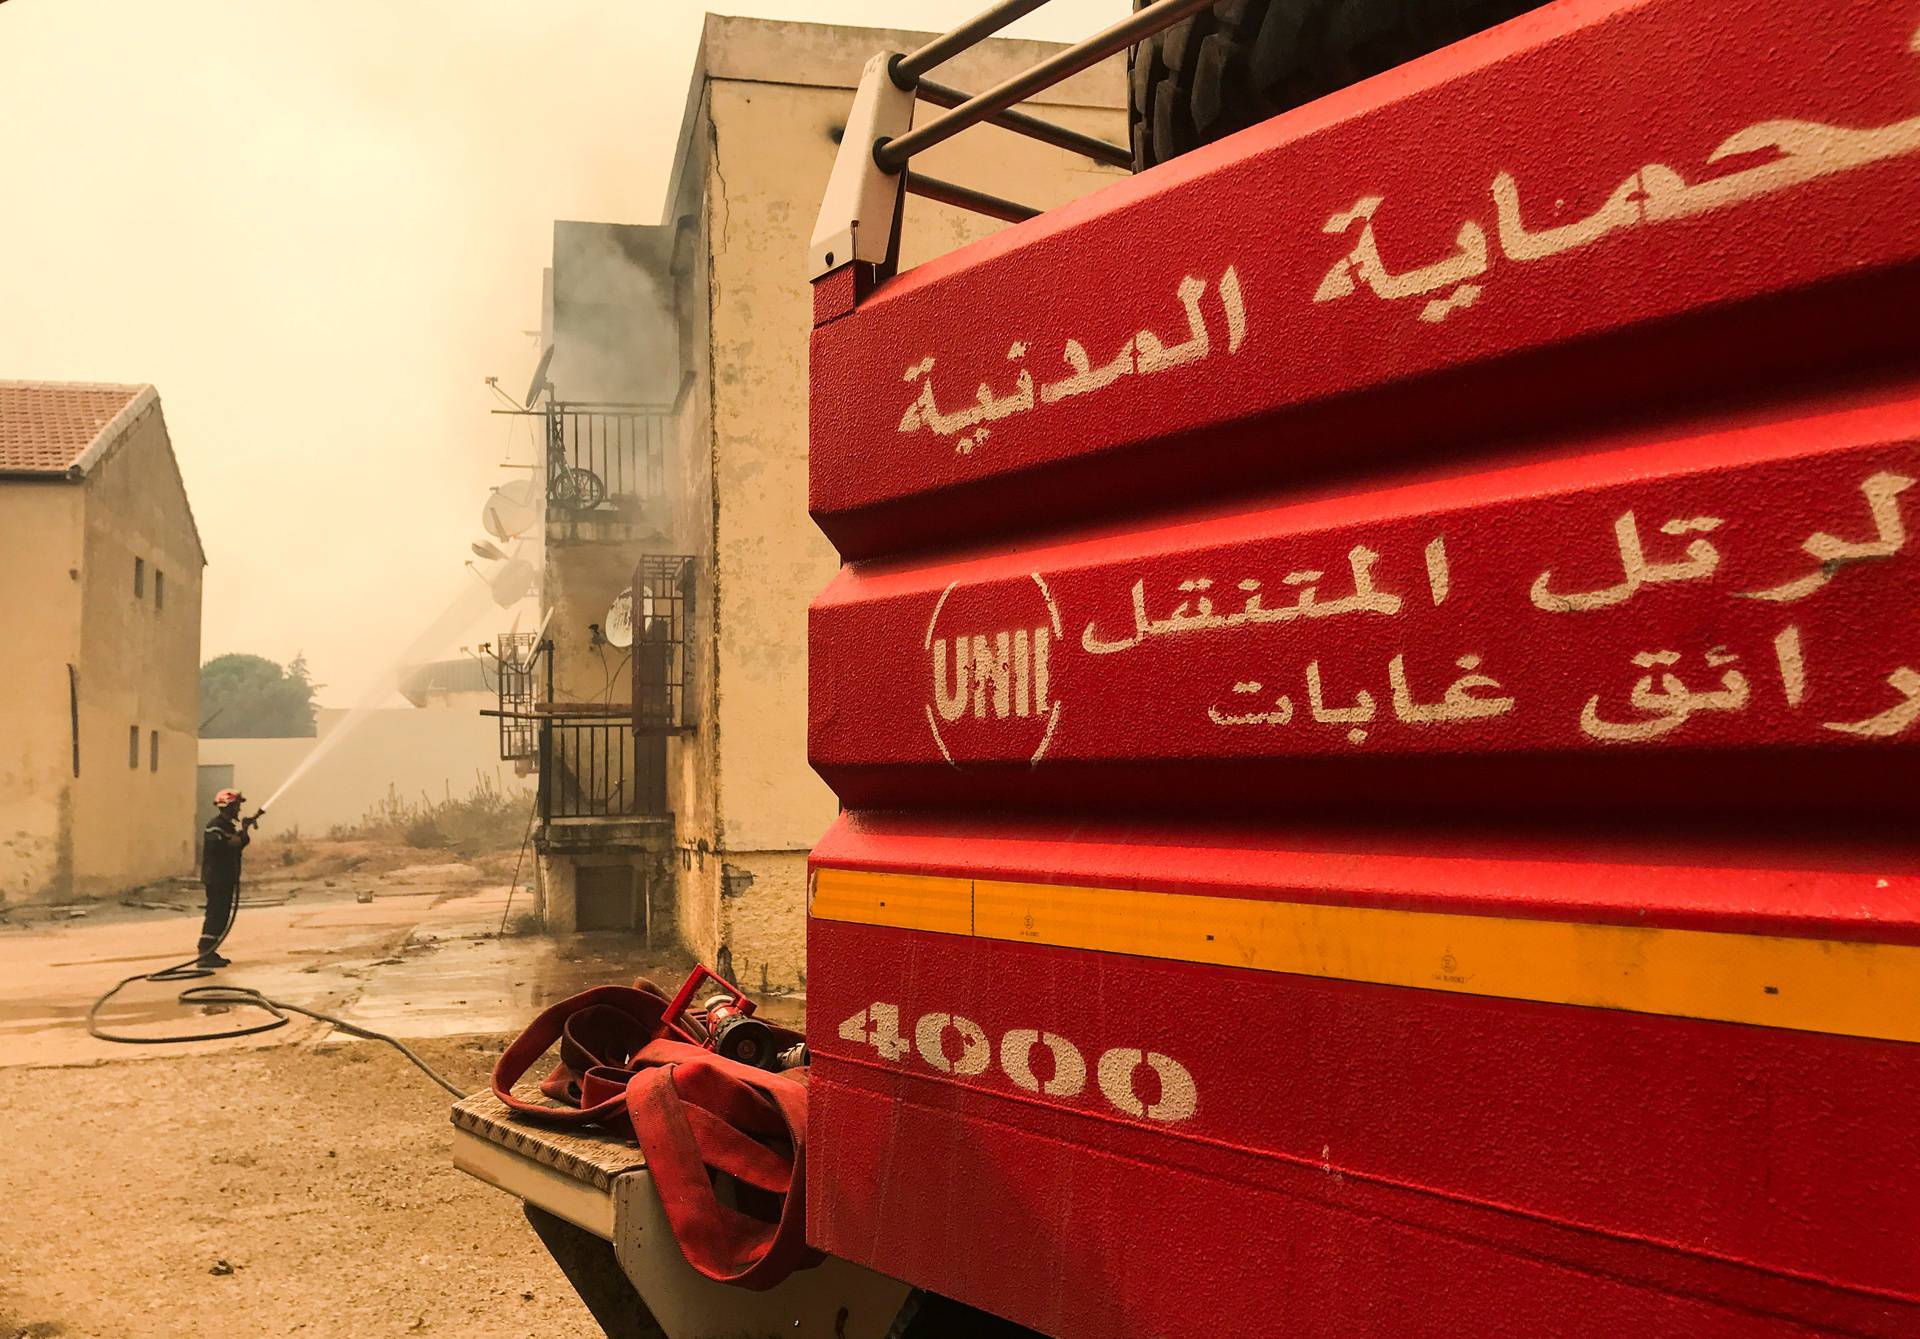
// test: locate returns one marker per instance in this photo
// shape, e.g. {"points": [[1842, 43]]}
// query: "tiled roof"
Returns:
{"points": [[50, 427]]}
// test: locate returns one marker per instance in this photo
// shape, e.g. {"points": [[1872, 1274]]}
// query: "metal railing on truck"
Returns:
{"points": [[858, 215]]}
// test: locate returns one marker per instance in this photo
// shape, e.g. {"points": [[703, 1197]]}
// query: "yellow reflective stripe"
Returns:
{"points": [[1810, 985], [903, 901]]}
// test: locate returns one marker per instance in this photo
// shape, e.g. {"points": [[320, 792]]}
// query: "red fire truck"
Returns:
{"points": [[1374, 687]]}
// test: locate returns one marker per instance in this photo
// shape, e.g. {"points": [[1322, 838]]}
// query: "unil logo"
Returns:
{"points": [[988, 652], [1001, 672]]}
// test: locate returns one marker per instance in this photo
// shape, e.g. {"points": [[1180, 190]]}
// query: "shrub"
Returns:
{"points": [[488, 818], [526, 923]]}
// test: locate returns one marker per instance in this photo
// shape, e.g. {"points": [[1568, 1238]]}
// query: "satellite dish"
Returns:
{"points": [[490, 551], [539, 375], [510, 510], [512, 582], [618, 625]]}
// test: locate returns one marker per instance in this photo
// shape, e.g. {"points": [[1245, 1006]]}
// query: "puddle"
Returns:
{"points": [[419, 961], [498, 985]]}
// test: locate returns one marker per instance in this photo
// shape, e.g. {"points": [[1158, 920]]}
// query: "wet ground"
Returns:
{"points": [[423, 956], [296, 1181]]}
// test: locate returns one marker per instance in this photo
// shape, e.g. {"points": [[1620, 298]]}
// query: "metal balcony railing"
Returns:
{"points": [[595, 767], [605, 457], [662, 616], [518, 739]]}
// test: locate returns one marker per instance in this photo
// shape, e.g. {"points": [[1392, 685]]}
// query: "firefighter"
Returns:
{"points": [[225, 837]]}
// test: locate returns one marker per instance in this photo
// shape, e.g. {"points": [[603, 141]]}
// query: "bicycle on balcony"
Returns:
{"points": [[569, 486]]}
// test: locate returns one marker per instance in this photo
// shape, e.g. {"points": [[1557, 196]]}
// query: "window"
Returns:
{"points": [[159, 589], [153, 742], [133, 746], [139, 578]]}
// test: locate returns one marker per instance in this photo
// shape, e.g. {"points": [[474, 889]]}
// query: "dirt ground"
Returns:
{"points": [[296, 1182], [292, 1190]]}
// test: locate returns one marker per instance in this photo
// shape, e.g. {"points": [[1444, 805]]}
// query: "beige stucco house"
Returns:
{"points": [[697, 328], [100, 573]]}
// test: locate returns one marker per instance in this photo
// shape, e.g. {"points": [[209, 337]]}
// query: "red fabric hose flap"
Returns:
{"points": [[673, 1101], [641, 1013], [694, 1114]]}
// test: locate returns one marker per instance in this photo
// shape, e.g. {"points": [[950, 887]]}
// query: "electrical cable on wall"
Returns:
{"points": [[533, 812], [606, 692]]}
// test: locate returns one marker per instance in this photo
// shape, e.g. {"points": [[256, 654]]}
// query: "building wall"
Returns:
{"points": [[40, 565], [766, 104], [768, 148], [612, 330], [68, 550], [624, 886], [139, 668], [772, 148], [581, 580], [400, 756], [464, 701], [764, 903], [612, 325], [694, 760]]}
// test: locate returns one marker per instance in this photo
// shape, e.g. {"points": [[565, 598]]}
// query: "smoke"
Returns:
{"points": [[343, 210], [318, 288], [461, 611], [616, 336]]}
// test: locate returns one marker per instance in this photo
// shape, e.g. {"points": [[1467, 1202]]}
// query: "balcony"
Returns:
{"points": [[663, 585], [594, 767], [519, 736], [606, 470]]}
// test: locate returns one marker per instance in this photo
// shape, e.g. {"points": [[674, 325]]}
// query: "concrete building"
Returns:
{"points": [[100, 571], [465, 683], [701, 331]]}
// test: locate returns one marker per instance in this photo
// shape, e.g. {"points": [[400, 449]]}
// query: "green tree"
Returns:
{"points": [[251, 697]]}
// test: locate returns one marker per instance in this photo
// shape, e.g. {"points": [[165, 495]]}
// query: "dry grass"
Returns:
{"points": [[486, 819]]}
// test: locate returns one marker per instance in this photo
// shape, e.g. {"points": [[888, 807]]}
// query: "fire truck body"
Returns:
{"points": [[1375, 690]]}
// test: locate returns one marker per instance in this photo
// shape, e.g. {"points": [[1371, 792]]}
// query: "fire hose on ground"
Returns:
{"points": [[280, 1011], [705, 1089], [233, 996]]}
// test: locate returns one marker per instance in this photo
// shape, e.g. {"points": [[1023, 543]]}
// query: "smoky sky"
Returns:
{"points": [[316, 228]]}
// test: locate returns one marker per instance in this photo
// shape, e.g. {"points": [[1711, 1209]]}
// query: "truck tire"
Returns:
{"points": [[1241, 61]]}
